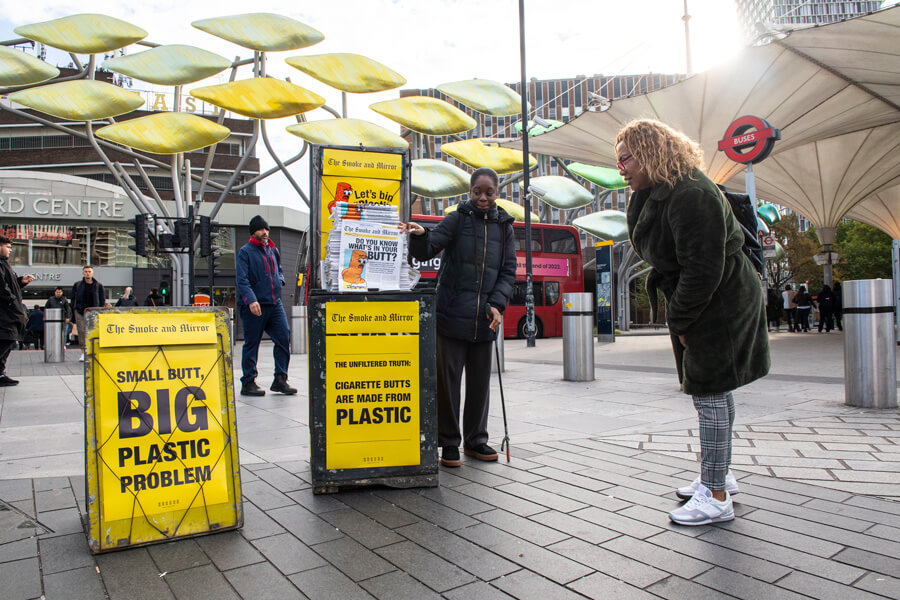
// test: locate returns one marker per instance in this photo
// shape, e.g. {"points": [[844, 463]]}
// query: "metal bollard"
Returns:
{"points": [[298, 330], [498, 351], [870, 368], [578, 337], [54, 336]]}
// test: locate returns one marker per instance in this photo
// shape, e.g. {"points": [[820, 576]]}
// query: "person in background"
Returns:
{"points": [[154, 298], [259, 280], [773, 310], [59, 300], [826, 308], [12, 313], [838, 306], [682, 226], [86, 293], [475, 283], [790, 308], [805, 305], [127, 298], [35, 326]]}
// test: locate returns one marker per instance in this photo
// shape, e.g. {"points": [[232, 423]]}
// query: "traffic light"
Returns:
{"points": [[141, 234], [207, 235], [182, 238], [164, 290]]}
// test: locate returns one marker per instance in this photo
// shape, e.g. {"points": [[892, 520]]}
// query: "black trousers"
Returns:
{"points": [[454, 356], [6, 347]]}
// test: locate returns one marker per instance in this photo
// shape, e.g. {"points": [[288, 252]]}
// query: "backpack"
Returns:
{"points": [[742, 208]]}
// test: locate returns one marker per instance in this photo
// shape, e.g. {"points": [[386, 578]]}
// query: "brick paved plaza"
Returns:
{"points": [[580, 512]]}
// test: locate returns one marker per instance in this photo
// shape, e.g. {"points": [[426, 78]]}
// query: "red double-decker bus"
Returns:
{"points": [[556, 270]]}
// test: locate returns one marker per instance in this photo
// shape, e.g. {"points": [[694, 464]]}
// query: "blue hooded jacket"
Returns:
{"points": [[259, 275]]}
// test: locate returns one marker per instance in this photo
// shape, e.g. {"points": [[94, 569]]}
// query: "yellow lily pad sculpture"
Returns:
{"points": [[475, 154], [18, 68], [604, 224], [438, 179], [485, 96], [83, 34], [165, 133], [535, 129], [347, 132], [423, 114], [560, 192], [260, 98], [264, 32], [516, 211], [348, 72], [175, 64], [83, 100]]}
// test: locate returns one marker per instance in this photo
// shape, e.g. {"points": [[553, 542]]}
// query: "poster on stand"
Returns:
{"points": [[371, 257]]}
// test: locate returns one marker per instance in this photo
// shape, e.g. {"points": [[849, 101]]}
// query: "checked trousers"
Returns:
{"points": [[716, 412]]}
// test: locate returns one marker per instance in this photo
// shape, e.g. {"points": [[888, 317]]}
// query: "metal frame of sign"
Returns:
{"points": [[316, 216], [417, 466], [161, 450]]}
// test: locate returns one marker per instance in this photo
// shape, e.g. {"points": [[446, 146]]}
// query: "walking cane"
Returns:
{"points": [[505, 443]]}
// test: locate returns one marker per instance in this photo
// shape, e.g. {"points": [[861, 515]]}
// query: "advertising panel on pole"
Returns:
{"points": [[606, 331], [161, 447]]}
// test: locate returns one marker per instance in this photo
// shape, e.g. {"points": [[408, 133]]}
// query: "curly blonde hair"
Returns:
{"points": [[665, 154]]}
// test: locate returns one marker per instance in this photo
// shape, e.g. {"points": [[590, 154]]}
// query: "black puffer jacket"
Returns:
{"points": [[478, 268]]}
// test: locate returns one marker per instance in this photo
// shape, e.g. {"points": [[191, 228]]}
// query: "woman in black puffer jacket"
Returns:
{"points": [[475, 282]]}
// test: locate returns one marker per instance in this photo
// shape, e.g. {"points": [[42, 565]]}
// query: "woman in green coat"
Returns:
{"points": [[683, 227]]}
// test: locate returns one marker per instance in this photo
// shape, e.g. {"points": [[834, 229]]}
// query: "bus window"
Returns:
{"points": [[552, 292], [535, 239], [518, 298], [560, 241]]}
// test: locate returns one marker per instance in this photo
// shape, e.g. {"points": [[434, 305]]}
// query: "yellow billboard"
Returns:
{"points": [[372, 385], [162, 457]]}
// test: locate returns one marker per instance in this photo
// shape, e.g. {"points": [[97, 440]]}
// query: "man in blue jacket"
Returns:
{"points": [[259, 283]]}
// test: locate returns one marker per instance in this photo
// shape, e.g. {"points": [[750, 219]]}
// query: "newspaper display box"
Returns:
{"points": [[161, 452]]}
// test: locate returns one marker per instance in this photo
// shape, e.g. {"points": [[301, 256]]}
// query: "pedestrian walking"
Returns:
{"points": [[826, 308], [59, 300], [805, 305], [790, 307], [475, 283], [35, 326], [682, 226], [259, 281], [12, 313], [127, 298], [838, 306], [86, 293], [773, 310]]}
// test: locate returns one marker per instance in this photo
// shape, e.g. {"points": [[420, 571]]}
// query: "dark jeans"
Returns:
{"points": [[453, 356], [826, 319], [803, 318], [790, 315], [273, 321], [5, 347]]}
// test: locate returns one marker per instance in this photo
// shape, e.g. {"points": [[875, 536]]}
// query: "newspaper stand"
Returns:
{"points": [[372, 410]]}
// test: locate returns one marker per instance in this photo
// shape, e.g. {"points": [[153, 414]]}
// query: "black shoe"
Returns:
{"points": [[251, 389], [281, 385], [450, 456], [6, 381], [482, 452]]}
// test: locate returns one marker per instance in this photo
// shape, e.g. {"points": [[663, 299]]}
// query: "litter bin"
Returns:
{"points": [[298, 330], [870, 368], [578, 336], [54, 336]]}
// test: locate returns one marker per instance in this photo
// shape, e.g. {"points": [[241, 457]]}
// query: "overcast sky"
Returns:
{"points": [[434, 41]]}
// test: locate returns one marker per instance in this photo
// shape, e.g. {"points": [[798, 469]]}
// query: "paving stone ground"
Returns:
{"points": [[579, 512]]}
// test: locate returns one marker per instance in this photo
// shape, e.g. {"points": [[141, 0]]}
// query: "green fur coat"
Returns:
{"points": [[692, 240]]}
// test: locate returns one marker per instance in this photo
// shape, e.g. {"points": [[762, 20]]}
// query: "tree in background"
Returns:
{"points": [[865, 252], [798, 265]]}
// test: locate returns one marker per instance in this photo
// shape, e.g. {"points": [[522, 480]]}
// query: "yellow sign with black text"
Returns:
{"points": [[162, 459], [372, 385]]}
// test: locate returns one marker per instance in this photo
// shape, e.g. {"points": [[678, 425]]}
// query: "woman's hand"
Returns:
{"points": [[412, 228], [682, 340], [494, 317]]}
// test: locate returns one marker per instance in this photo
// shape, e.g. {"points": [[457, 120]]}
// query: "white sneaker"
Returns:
{"points": [[703, 509], [731, 486], [81, 358]]}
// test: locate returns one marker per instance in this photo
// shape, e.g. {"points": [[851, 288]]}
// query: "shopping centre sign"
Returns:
{"points": [[32, 205]]}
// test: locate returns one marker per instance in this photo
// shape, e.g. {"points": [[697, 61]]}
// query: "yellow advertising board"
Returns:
{"points": [[161, 452], [358, 177], [372, 385]]}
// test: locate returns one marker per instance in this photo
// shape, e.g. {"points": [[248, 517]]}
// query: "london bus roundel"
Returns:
{"points": [[749, 139]]}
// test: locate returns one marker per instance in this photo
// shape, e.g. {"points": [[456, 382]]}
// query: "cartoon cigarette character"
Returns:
{"points": [[342, 193], [353, 273]]}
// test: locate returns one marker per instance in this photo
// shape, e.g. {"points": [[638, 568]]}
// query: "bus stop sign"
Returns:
{"points": [[749, 139]]}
